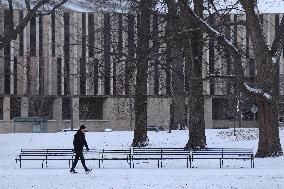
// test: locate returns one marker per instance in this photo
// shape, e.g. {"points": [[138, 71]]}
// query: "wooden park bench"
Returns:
{"points": [[134, 155]]}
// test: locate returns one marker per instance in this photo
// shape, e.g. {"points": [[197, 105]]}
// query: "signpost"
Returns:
{"points": [[254, 109]]}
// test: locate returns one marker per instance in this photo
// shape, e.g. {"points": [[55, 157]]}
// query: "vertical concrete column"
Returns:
{"points": [[120, 67], [208, 113], [113, 48], [59, 42], [75, 111], [47, 53], [89, 61], [76, 52], [205, 67], [24, 107], [26, 59], [108, 105], [163, 75], [132, 80], [151, 72], [99, 19], [241, 38], [57, 109], [6, 108]]}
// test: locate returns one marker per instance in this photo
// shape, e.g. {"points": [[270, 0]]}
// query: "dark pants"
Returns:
{"points": [[81, 156]]}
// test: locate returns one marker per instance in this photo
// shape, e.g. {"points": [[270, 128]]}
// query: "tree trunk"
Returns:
{"points": [[175, 61], [269, 143], [197, 138], [267, 80], [140, 99]]}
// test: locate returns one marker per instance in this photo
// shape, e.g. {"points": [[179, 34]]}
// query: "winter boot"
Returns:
{"points": [[72, 171]]}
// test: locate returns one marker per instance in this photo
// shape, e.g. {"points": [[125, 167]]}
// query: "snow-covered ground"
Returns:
{"points": [[268, 172]]}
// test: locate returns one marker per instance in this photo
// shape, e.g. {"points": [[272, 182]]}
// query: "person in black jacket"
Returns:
{"points": [[79, 142]]}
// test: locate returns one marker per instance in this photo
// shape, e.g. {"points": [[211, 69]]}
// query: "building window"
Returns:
{"points": [[59, 76], [107, 39], [212, 58], [21, 35], [247, 114], [83, 76], [15, 75], [66, 53], [91, 108], [66, 110], [53, 33], [223, 109], [15, 107], [41, 63], [83, 35], [251, 67], [7, 53], [95, 75], [33, 37], [1, 108], [7, 74], [41, 107], [91, 35]]}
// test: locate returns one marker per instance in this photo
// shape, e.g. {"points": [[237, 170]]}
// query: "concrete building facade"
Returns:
{"points": [[79, 66]]}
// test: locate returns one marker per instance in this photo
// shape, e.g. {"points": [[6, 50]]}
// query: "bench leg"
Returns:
{"points": [[252, 163], [161, 164], [20, 161], [42, 164], [158, 163], [187, 162], [99, 163], [220, 163]]}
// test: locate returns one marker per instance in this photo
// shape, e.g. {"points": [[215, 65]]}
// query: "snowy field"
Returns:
{"points": [[268, 173]]}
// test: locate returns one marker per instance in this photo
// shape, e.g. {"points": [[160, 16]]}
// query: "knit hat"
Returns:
{"points": [[83, 127]]}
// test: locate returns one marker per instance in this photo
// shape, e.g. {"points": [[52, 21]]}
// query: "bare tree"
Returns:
{"points": [[175, 63], [32, 7], [193, 58], [140, 99], [266, 87]]}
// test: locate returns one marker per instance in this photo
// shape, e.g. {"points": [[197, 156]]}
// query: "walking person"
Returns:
{"points": [[79, 142]]}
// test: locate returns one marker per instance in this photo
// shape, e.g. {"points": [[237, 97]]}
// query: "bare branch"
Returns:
{"points": [[278, 43], [28, 6]]}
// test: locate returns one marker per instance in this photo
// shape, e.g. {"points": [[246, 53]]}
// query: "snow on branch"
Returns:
{"points": [[258, 91], [209, 30]]}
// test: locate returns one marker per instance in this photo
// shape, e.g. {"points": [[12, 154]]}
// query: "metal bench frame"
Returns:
{"points": [[133, 155]]}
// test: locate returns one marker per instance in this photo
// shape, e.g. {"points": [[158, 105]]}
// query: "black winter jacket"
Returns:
{"points": [[79, 141]]}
